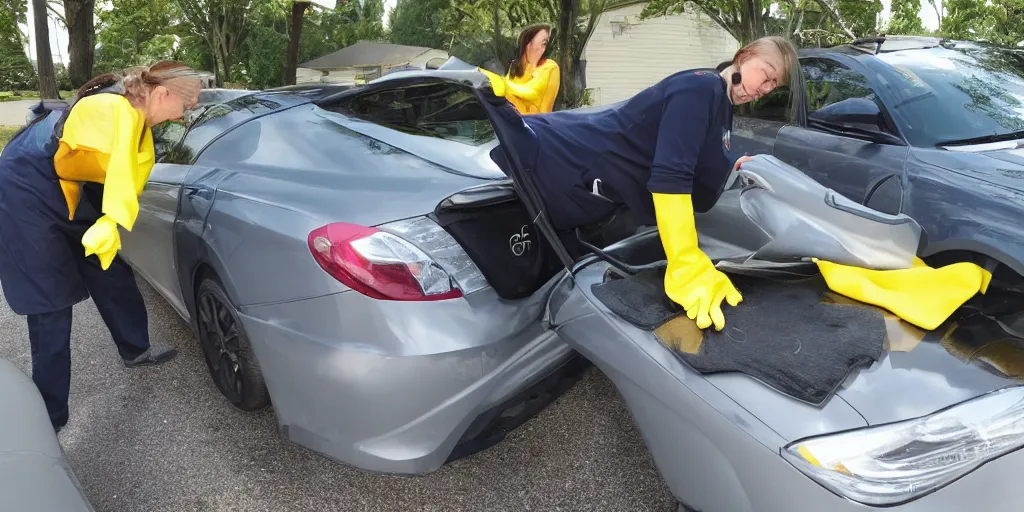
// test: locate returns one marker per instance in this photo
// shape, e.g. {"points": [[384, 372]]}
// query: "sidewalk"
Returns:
{"points": [[12, 113]]}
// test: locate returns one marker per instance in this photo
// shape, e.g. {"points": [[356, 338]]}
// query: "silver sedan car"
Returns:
{"points": [[353, 257]]}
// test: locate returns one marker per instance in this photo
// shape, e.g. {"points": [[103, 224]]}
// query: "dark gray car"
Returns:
{"points": [[926, 127]]}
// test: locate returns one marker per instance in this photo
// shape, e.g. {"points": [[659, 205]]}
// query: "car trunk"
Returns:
{"points": [[497, 231], [494, 228]]}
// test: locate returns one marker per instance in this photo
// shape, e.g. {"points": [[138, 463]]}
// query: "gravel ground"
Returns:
{"points": [[163, 439]]}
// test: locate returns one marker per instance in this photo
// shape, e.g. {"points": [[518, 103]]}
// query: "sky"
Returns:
{"points": [[59, 35]]}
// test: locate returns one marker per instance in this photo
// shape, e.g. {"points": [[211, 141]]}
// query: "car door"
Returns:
{"points": [[852, 160], [149, 247]]}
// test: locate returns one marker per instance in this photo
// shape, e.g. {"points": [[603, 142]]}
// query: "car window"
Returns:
{"points": [[828, 82], [167, 139], [952, 94], [774, 106], [179, 142], [442, 110]]}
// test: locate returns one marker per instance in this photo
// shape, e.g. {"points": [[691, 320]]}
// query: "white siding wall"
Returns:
{"points": [[626, 55]]}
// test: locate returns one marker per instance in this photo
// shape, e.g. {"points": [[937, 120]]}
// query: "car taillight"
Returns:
{"points": [[379, 264]]}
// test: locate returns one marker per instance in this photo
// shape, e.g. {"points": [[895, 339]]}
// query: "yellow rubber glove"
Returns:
{"points": [[103, 240], [922, 295], [497, 82], [691, 280]]}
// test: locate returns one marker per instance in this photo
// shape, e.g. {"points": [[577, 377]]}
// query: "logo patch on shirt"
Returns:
{"points": [[725, 140]]}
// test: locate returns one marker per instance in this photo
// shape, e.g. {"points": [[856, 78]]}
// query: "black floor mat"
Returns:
{"points": [[781, 334]]}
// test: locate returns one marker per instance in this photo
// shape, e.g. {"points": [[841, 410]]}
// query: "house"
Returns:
{"points": [[365, 61], [626, 54]]}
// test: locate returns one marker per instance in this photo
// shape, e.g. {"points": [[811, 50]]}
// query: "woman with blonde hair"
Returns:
{"points": [[665, 154], [532, 82], [68, 181]]}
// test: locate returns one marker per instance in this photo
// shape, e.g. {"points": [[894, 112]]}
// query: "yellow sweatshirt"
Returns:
{"points": [[535, 91], [106, 141]]}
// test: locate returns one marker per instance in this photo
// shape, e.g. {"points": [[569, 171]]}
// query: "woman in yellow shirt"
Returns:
{"points": [[533, 79], [58, 245]]}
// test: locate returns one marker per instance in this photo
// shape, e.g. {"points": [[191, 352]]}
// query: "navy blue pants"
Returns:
{"points": [[123, 310]]}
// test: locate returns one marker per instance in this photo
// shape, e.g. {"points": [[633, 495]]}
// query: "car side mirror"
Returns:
{"points": [[851, 112], [854, 116]]}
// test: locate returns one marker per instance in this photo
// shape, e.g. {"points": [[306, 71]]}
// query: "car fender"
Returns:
{"points": [[959, 213]]}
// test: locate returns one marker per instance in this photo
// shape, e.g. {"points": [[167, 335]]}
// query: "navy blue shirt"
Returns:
{"points": [[671, 138]]}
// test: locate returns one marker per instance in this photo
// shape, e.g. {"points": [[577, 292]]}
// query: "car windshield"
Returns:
{"points": [[945, 95]]}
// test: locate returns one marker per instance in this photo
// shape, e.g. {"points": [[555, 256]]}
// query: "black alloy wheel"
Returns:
{"points": [[227, 351]]}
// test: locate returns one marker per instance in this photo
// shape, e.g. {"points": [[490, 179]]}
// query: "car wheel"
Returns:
{"points": [[227, 351]]}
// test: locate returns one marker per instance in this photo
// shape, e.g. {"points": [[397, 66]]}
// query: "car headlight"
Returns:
{"points": [[895, 463]]}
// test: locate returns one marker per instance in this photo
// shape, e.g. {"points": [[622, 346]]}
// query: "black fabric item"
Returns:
{"points": [[781, 334], [506, 246], [639, 299]]}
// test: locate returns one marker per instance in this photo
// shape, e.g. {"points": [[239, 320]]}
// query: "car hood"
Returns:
{"points": [[992, 163], [923, 372]]}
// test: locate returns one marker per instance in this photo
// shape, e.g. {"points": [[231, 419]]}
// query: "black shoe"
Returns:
{"points": [[155, 355]]}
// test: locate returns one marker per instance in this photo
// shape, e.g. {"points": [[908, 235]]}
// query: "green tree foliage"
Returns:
{"points": [[806, 22], [136, 33], [16, 71], [996, 21], [246, 40], [328, 30], [905, 19]]}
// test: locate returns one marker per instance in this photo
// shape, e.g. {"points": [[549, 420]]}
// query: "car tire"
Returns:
{"points": [[226, 349]]}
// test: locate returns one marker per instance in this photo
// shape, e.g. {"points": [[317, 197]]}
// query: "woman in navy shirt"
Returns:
{"points": [[664, 153]]}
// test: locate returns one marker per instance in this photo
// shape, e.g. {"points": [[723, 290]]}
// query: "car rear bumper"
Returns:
{"points": [[394, 387]]}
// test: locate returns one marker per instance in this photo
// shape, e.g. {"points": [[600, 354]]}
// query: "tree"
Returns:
{"points": [[747, 20], [139, 32], [971, 19], [429, 23], [223, 24], [44, 60], [78, 15], [744, 19], [572, 39], [294, 37], [905, 18], [16, 71]]}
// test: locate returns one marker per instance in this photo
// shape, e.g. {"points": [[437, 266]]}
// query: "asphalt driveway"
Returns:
{"points": [[12, 113], [162, 439]]}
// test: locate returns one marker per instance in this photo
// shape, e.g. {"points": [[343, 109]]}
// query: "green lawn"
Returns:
{"points": [[28, 95], [6, 132]]}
